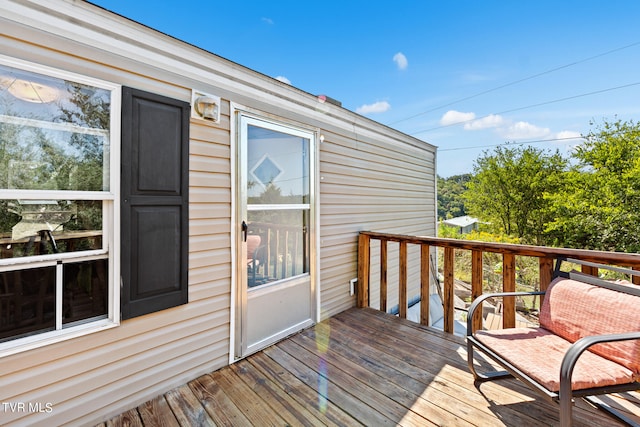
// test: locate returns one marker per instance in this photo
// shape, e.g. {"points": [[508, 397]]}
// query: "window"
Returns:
{"points": [[59, 187], [278, 205]]}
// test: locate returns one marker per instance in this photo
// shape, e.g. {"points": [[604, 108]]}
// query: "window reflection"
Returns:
{"points": [[278, 167], [277, 245], [30, 95], [85, 290], [39, 227], [27, 302], [37, 158], [53, 133]]}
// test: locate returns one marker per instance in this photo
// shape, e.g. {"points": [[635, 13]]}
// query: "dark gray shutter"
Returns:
{"points": [[154, 202]]}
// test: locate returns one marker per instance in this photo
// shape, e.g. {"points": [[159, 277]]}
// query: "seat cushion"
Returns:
{"points": [[538, 353], [573, 310]]}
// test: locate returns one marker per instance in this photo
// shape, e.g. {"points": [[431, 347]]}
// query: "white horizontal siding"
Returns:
{"points": [[374, 185]]}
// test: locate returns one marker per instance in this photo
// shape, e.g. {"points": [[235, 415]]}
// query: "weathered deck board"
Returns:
{"points": [[216, 402], [157, 412], [255, 409], [315, 402], [361, 367], [187, 408], [131, 418], [421, 376], [288, 408]]}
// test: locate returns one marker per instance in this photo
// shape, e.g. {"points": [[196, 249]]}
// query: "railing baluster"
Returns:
{"points": [[509, 285], [364, 265], [587, 269], [546, 273], [278, 251], [383, 275], [546, 258], [447, 298], [267, 265], [476, 284], [402, 297], [425, 278], [285, 257]]}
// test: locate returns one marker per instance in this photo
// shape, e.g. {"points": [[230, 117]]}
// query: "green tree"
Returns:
{"points": [[599, 205], [508, 190], [450, 200]]}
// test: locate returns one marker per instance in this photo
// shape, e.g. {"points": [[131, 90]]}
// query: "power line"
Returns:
{"points": [[516, 82], [530, 106], [511, 143]]}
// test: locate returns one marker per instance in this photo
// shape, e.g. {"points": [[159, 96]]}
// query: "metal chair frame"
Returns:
{"points": [[565, 396]]}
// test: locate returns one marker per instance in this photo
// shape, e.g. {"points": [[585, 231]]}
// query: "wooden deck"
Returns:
{"points": [[361, 367]]}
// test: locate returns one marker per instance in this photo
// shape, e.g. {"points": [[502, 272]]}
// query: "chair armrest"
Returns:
{"points": [[580, 346], [476, 303]]}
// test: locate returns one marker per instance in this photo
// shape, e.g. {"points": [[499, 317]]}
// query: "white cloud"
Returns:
{"points": [[503, 127], [267, 20], [376, 107], [566, 134], [401, 61], [490, 121], [452, 117], [524, 130], [283, 79]]}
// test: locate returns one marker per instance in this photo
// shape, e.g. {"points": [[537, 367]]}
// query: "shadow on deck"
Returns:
{"points": [[360, 367]]}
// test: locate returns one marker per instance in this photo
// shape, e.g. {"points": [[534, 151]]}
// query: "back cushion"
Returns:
{"points": [[573, 309]]}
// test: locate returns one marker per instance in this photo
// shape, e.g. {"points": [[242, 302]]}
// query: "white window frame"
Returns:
{"points": [[110, 219]]}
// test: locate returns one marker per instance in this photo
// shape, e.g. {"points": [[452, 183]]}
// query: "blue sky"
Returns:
{"points": [[464, 75]]}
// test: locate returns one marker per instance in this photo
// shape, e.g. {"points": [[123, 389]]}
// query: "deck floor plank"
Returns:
{"points": [[187, 409], [255, 409], [156, 412], [425, 387], [331, 414], [393, 401], [131, 418], [361, 367], [436, 373], [388, 381], [328, 390], [289, 409], [218, 405]]}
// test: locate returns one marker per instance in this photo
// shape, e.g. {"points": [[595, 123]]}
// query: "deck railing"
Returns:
{"points": [[545, 255]]}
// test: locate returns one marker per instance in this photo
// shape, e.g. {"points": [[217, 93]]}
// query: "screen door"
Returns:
{"points": [[275, 289]]}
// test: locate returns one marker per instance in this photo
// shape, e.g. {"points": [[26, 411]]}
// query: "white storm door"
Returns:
{"points": [[275, 289]]}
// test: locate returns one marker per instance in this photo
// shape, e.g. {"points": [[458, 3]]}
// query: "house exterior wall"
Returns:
{"points": [[371, 178], [370, 183]]}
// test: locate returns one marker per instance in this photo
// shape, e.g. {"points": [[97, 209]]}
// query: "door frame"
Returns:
{"points": [[239, 295]]}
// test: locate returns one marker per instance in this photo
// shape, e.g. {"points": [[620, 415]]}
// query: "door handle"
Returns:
{"points": [[245, 230]]}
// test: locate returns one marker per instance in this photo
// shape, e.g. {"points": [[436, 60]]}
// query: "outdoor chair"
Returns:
{"points": [[588, 342]]}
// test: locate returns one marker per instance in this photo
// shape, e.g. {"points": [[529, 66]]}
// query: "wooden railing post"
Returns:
{"points": [[635, 279], [402, 285], [383, 275], [364, 265], [447, 298], [425, 278], [546, 273], [476, 284], [509, 284]]}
